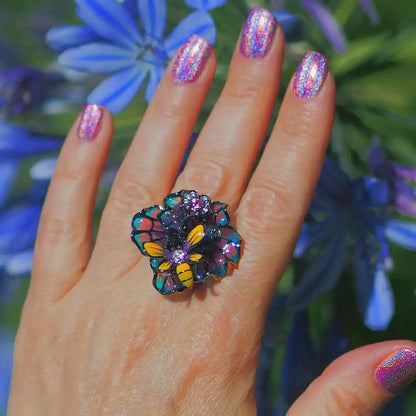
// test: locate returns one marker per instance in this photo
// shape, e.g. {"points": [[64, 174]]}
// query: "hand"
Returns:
{"points": [[97, 339]]}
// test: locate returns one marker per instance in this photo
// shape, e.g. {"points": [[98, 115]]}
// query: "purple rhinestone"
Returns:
{"points": [[177, 256]]}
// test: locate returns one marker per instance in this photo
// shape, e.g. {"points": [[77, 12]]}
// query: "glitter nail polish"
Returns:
{"points": [[190, 59], [397, 371], [258, 33], [310, 75], [89, 122]]}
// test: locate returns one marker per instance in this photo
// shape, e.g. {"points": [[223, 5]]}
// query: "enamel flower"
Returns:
{"points": [[187, 239]]}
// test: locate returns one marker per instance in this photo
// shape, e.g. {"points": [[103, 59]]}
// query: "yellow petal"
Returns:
{"points": [[185, 274], [153, 249], [195, 257], [164, 266], [195, 235]]}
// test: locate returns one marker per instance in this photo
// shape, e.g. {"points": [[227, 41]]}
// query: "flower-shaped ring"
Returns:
{"points": [[187, 239]]}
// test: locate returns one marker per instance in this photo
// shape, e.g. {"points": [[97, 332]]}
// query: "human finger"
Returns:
{"points": [[63, 245], [222, 158], [360, 382], [279, 193]]}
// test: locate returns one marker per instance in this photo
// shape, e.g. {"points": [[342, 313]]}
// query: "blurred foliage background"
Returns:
{"points": [[376, 100]]}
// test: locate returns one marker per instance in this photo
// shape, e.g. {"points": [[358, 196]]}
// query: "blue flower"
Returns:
{"points": [[22, 89], [19, 217], [111, 41], [400, 179], [345, 210], [16, 142]]}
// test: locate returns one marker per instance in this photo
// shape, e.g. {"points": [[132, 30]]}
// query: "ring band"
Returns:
{"points": [[187, 239]]}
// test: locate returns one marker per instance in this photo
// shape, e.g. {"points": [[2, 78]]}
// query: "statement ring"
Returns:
{"points": [[188, 239]]}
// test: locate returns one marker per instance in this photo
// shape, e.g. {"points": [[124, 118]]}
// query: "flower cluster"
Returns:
{"points": [[347, 211], [187, 239]]}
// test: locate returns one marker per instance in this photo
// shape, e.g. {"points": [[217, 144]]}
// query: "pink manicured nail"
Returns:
{"points": [[89, 122], [190, 60], [310, 75], [258, 33], [397, 371]]}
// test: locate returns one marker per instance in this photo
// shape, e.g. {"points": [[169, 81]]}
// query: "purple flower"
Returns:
{"points": [[111, 42], [401, 180], [187, 240]]}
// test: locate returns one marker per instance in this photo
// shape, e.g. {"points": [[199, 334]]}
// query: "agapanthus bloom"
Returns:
{"points": [[345, 212], [111, 41], [187, 239], [401, 180]]}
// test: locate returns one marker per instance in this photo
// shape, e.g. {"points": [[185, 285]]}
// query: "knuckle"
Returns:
{"points": [[264, 209], [54, 230], [75, 172], [238, 91], [297, 127], [168, 110], [128, 194], [346, 402], [209, 177]]}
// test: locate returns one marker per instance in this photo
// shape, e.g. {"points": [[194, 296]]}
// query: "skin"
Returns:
{"points": [[95, 337]]}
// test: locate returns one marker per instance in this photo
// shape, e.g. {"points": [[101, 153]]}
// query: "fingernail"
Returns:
{"points": [[258, 33], [310, 75], [89, 122], [190, 60], [397, 371]]}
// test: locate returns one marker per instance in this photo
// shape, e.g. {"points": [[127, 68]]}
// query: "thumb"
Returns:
{"points": [[360, 382]]}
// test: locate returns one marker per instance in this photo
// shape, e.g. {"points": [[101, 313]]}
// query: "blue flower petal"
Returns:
{"points": [[327, 23], [110, 20], [364, 268], [130, 6], [18, 227], [312, 235], [301, 363], [16, 142], [334, 183], [61, 38], [98, 58], [43, 169], [153, 16], [205, 4], [292, 25], [323, 273], [370, 10], [198, 23], [117, 91], [373, 192], [8, 170], [402, 233], [6, 365], [20, 264], [380, 309], [155, 77]]}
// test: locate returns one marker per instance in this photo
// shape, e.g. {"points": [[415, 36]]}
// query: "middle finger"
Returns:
{"points": [[223, 156]]}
